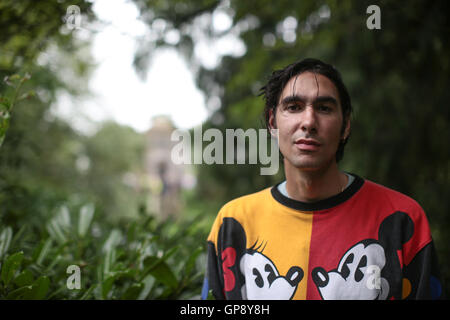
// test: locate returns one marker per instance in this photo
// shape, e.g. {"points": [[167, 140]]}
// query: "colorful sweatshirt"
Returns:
{"points": [[368, 242]]}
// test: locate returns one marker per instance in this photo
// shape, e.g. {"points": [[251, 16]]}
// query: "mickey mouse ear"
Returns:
{"points": [[389, 232]]}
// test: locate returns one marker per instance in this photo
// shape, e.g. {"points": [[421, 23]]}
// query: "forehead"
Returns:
{"points": [[311, 85]]}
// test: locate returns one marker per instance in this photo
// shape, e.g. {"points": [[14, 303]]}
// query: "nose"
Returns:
{"points": [[320, 277], [308, 120]]}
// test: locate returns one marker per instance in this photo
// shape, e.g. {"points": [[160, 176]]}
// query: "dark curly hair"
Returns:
{"points": [[272, 90]]}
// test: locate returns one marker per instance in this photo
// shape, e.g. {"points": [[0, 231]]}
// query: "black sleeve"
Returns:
{"points": [[213, 278], [421, 276]]}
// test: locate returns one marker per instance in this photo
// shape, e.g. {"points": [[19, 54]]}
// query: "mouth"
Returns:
{"points": [[307, 144]]}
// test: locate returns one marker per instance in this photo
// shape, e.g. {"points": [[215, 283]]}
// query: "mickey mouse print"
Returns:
{"points": [[249, 274], [369, 243], [353, 278]]}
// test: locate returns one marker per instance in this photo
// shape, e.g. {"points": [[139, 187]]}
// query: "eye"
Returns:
{"points": [[292, 107], [345, 270], [359, 274], [271, 276], [258, 278], [324, 108]]}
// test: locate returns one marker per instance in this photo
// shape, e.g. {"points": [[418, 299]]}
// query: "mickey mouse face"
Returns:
{"points": [[357, 275], [263, 281]]}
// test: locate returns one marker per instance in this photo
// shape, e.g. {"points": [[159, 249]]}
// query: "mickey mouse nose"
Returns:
{"points": [[294, 275], [320, 277]]}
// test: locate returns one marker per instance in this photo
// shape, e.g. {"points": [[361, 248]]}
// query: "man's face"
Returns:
{"points": [[309, 119]]}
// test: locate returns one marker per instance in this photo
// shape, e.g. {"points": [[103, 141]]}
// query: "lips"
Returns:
{"points": [[307, 144]]}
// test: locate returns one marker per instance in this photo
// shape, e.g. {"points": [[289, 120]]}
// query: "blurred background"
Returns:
{"points": [[91, 91]]}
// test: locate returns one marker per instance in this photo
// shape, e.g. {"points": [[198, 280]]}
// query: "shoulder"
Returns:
{"points": [[392, 204], [247, 203], [393, 197], [240, 210], [393, 200]]}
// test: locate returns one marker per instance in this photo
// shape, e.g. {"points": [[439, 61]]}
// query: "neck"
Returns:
{"points": [[314, 185]]}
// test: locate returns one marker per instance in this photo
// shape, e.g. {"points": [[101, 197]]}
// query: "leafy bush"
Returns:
{"points": [[55, 246], [139, 258], [8, 100]]}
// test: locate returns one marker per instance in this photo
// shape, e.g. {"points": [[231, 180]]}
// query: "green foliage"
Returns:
{"points": [[63, 200], [8, 101], [135, 259], [112, 154], [29, 27]]}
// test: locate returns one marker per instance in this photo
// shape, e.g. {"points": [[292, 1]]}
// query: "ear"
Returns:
{"points": [[395, 230], [347, 128], [272, 122]]}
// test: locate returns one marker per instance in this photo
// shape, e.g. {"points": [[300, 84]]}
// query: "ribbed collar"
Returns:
{"points": [[321, 204]]}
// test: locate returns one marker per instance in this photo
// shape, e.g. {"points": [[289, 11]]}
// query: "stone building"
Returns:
{"points": [[165, 178]]}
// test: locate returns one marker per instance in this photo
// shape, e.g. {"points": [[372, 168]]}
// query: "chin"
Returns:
{"points": [[304, 165], [307, 163]]}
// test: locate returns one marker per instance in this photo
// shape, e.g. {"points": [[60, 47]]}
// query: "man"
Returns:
{"points": [[322, 233]]}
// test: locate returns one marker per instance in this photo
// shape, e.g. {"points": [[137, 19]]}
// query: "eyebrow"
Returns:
{"points": [[300, 98]]}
